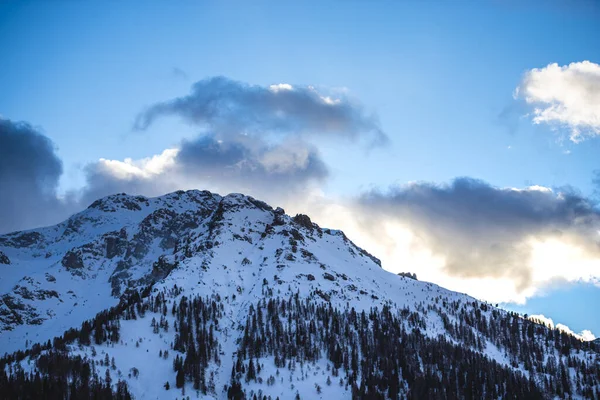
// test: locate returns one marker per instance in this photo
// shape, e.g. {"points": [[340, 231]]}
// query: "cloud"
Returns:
{"points": [[253, 139], [29, 174], [503, 244], [178, 73], [238, 163], [542, 319], [585, 335], [566, 96], [226, 107], [145, 176], [289, 163]]}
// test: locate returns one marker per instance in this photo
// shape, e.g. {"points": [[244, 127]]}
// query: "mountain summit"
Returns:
{"points": [[198, 295]]}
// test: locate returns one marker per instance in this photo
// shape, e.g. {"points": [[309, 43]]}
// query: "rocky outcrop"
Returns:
{"points": [[120, 201], [328, 276], [72, 260], [115, 243], [303, 220], [22, 239], [13, 311]]}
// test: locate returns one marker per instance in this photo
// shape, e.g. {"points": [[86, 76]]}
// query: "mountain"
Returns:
{"points": [[195, 294]]}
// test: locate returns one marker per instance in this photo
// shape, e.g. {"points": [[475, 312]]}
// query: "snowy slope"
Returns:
{"points": [[62, 275], [234, 249]]}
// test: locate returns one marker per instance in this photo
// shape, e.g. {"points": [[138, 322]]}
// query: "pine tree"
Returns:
{"points": [[251, 374], [179, 379]]}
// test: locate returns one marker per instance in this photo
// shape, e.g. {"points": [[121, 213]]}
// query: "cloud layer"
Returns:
{"points": [[225, 107], [254, 139], [29, 174], [477, 231], [566, 95], [235, 164]]}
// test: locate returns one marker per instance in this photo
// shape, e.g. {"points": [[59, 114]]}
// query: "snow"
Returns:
{"points": [[242, 257]]}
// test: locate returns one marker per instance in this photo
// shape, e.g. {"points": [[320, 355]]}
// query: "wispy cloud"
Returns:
{"points": [[178, 73], [224, 107]]}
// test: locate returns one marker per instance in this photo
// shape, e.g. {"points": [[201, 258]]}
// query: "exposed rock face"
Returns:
{"points": [[329, 277], [120, 201], [4, 258], [303, 220], [410, 275], [116, 243], [72, 260], [22, 239]]}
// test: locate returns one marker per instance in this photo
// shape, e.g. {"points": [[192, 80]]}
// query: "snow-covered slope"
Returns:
{"points": [[59, 276], [235, 251]]}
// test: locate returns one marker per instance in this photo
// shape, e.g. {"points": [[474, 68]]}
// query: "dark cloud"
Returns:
{"points": [[251, 160], [230, 107], [481, 230], [253, 141], [29, 174], [236, 164]]}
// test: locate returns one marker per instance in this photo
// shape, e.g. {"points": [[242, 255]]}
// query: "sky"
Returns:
{"points": [[456, 140]]}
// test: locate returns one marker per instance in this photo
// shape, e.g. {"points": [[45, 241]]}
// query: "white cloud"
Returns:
{"points": [[566, 95], [239, 164], [144, 168], [585, 335], [542, 319], [285, 87], [537, 188], [285, 158], [280, 86]]}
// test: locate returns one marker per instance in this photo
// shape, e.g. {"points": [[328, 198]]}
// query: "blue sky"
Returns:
{"points": [[439, 76]]}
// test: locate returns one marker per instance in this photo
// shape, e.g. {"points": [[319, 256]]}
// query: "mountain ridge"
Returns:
{"points": [[122, 227], [236, 252]]}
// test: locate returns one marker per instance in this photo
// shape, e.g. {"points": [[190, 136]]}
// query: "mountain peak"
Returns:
{"points": [[119, 201], [237, 259], [124, 241]]}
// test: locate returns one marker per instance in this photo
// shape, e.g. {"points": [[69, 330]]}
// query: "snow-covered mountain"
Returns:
{"points": [[195, 294]]}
